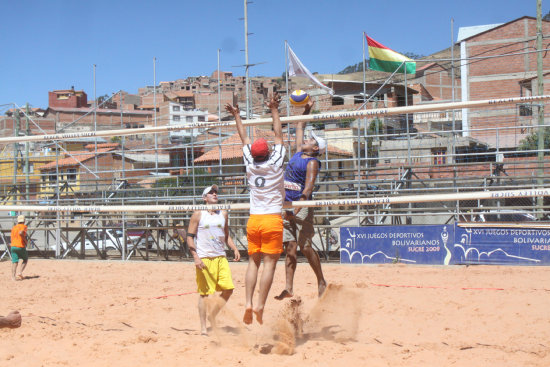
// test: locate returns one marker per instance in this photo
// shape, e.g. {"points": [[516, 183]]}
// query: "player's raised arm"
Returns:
{"points": [[300, 126], [234, 110], [273, 105]]}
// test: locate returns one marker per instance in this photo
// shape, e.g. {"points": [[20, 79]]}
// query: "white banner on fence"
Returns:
{"points": [[382, 200]]}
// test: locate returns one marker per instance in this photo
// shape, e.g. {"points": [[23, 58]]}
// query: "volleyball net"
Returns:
{"points": [[372, 174]]}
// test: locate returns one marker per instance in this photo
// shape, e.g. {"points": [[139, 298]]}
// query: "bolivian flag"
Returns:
{"points": [[385, 59]]}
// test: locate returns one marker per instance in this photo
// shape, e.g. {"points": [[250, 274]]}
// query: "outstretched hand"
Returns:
{"points": [[233, 110], [308, 106], [274, 101]]}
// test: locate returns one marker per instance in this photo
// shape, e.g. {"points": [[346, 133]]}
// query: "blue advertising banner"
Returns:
{"points": [[388, 244], [513, 246], [444, 245]]}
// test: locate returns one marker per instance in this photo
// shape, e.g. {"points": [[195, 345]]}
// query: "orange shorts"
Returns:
{"points": [[264, 233]]}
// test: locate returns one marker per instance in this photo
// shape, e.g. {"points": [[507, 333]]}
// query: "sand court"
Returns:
{"points": [[91, 313]]}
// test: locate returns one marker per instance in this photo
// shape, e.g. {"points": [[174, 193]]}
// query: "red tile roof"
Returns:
{"points": [[74, 159], [102, 145], [180, 93], [427, 66], [232, 147]]}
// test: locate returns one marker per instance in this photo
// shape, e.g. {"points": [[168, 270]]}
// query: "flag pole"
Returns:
{"points": [[287, 97], [407, 117], [365, 99], [359, 139], [286, 81], [382, 86], [364, 75], [409, 163]]}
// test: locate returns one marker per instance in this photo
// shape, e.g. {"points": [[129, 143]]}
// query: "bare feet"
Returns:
{"points": [[247, 318], [12, 320], [284, 294], [259, 316], [321, 287], [204, 333]]}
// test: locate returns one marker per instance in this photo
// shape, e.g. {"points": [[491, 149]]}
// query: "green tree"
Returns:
{"points": [[532, 141], [345, 122]]}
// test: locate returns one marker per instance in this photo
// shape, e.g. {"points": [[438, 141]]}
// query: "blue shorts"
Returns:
{"points": [[19, 253]]}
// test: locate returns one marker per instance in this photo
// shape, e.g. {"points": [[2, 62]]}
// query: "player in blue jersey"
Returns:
{"points": [[300, 175]]}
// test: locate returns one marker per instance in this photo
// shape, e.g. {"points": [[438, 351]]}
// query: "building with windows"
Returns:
{"points": [[496, 64]]}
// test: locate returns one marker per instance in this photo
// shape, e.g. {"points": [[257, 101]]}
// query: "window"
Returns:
{"points": [[31, 168], [358, 99], [201, 118], [400, 101], [175, 108], [71, 174], [337, 101], [176, 118], [525, 110], [188, 118], [439, 155]]}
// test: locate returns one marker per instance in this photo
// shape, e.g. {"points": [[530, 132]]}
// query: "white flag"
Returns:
{"points": [[296, 68]]}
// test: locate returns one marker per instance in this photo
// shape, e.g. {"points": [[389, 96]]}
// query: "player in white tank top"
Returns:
{"points": [[210, 240], [207, 235]]}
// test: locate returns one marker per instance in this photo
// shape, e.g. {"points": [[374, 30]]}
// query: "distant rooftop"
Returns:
{"points": [[467, 32]]}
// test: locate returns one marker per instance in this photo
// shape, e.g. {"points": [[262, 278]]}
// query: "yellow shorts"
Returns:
{"points": [[216, 277], [264, 233]]}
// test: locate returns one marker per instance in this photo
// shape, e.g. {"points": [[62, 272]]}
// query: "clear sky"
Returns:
{"points": [[49, 45]]}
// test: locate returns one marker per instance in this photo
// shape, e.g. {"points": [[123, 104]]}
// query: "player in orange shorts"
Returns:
{"points": [[264, 169]]}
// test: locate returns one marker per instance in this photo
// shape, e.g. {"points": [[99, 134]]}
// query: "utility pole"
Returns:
{"points": [[155, 114], [219, 113], [95, 129], [247, 82], [540, 87], [16, 123], [27, 132]]}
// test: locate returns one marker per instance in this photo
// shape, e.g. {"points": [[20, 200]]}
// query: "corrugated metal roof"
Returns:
{"points": [[73, 160], [146, 158], [98, 111]]}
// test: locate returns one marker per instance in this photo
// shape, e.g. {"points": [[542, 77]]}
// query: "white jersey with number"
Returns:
{"points": [[266, 181]]}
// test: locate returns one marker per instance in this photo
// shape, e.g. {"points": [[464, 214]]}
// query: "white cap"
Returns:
{"points": [[208, 189], [322, 143], [20, 219]]}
